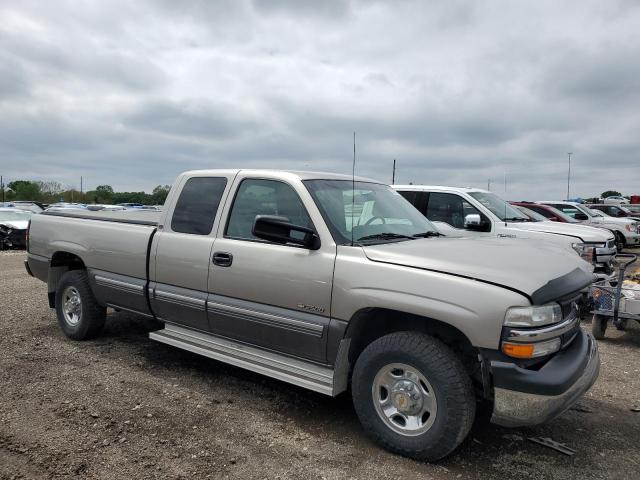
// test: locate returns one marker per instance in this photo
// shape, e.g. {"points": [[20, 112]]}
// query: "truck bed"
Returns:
{"points": [[106, 241]]}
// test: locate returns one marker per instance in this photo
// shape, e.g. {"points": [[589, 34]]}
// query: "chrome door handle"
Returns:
{"points": [[222, 259]]}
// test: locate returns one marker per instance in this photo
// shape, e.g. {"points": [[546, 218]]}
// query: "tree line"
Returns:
{"points": [[52, 192]]}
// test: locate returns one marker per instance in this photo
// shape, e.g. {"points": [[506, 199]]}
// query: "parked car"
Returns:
{"points": [[13, 227], [615, 210], [627, 231], [476, 212], [547, 211], [35, 207], [325, 281], [616, 200]]}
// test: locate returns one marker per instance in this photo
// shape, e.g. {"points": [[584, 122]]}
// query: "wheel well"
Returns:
{"points": [[66, 259], [61, 262], [370, 324]]}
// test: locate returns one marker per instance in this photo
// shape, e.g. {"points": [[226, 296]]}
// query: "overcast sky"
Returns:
{"points": [[132, 93]]}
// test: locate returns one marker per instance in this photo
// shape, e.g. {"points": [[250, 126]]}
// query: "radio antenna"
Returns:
{"points": [[353, 185]]}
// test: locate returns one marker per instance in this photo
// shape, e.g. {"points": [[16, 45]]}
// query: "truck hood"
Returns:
{"points": [[541, 271], [16, 224], [582, 232]]}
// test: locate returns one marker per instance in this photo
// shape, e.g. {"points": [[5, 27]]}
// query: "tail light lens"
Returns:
{"points": [[27, 239]]}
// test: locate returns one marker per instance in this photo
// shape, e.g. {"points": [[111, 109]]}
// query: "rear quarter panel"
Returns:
{"points": [[113, 247]]}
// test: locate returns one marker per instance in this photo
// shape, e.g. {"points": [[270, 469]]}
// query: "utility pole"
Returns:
{"points": [[2, 188], [489, 185], [81, 192], [569, 174], [393, 177]]}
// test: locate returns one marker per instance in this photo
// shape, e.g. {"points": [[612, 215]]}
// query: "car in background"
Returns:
{"points": [[633, 208], [615, 199], [96, 207], [615, 210], [131, 205], [473, 212], [626, 231], [35, 207], [13, 227], [547, 211]]}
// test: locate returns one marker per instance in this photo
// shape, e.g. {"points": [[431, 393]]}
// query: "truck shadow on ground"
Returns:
{"points": [[125, 339]]}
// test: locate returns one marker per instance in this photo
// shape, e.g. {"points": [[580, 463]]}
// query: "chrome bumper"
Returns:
{"points": [[517, 409]]}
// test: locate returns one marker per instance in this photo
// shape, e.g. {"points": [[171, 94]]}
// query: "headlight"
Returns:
{"points": [[533, 316], [627, 227], [587, 252]]}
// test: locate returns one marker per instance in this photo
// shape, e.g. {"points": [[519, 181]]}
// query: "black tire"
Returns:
{"points": [[89, 320], [621, 242], [598, 326], [449, 382]]}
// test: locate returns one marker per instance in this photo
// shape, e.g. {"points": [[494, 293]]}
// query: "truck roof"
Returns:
{"points": [[300, 174], [425, 188]]}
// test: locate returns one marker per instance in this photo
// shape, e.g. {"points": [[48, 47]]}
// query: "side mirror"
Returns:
{"points": [[280, 230], [472, 221], [581, 216]]}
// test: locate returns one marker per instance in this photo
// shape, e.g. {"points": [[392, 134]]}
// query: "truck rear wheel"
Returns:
{"points": [[79, 315], [413, 395], [598, 326]]}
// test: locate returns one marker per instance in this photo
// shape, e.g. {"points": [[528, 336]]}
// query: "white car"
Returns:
{"points": [[615, 200], [627, 231], [477, 212]]}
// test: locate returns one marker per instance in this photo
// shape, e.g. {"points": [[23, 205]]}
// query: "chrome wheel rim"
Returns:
{"points": [[71, 306], [404, 399]]}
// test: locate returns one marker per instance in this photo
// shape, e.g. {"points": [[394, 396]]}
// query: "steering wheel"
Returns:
{"points": [[368, 222]]}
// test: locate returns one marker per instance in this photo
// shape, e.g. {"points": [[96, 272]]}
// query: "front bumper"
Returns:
{"points": [[527, 397]]}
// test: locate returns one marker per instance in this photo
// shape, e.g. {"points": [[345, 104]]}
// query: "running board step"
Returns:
{"points": [[291, 370]]}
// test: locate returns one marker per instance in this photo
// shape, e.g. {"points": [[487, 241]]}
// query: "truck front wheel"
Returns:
{"points": [[413, 395], [79, 315]]}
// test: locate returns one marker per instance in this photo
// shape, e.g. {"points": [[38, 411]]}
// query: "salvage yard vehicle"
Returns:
{"points": [[615, 210], [13, 227], [480, 213], [627, 231], [334, 283]]}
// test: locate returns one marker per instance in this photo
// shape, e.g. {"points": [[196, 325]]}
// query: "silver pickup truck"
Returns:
{"points": [[334, 284]]}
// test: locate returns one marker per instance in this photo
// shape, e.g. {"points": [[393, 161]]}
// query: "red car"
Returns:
{"points": [[547, 211]]}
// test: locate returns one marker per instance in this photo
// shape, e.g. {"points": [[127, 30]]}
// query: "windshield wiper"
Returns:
{"points": [[385, 236], [428, 234]]}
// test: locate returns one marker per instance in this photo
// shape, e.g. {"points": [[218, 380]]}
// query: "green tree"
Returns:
{"points": [[159, 194], [610, 193], [25, 190]]}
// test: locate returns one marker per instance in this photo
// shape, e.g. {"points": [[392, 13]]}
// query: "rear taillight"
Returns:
{"points": [[27, 239]]}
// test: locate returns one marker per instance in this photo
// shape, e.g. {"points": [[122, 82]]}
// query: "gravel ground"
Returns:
{"points": [[123, 406]]}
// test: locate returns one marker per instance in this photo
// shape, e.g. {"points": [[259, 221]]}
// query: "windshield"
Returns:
{"points": [[561, 214], [11, 216], [596, 213], [376, 213], [501, 209], [534, 216]]}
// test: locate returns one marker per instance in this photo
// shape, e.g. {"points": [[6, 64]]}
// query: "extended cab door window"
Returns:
{"points": [[183, 249], [269, 294], [197, 205]]}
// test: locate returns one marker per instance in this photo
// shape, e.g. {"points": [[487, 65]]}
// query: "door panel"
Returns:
{"points": [[285, 289], [183, 252]]}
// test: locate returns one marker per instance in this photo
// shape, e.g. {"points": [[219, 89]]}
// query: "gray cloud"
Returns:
{"points": [[131, 94]]}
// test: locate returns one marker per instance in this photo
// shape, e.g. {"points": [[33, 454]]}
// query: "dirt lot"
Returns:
{"points": [[124, 407]]}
